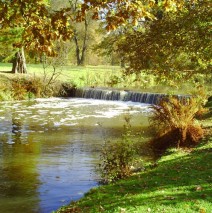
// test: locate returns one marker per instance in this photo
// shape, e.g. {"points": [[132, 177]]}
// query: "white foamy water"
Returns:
{"points": [[57, 111]]}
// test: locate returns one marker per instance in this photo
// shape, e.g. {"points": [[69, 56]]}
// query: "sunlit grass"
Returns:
{"points": [[179, 182], [106, 76]]}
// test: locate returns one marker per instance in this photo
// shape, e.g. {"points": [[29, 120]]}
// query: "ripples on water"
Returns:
{"points": [[49, 148]]}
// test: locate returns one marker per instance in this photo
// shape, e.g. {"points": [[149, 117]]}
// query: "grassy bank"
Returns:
{"points": [[106, 76], [179, 182]]}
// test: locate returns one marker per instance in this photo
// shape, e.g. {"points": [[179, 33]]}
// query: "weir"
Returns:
{"points": [[123, 95]]}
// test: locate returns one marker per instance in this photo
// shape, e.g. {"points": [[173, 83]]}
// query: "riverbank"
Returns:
{"points": [[180, 181], [109, 77]]}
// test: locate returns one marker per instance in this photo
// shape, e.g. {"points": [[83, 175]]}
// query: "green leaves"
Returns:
{"points": [[175, 46]]}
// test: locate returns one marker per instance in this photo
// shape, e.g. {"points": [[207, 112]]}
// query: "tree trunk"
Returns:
{"points": [[77, 50], [81, 55], [84, 47], [122, 63], [19, 62]]}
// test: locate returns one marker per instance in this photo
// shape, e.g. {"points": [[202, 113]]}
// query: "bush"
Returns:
{"points": [[117, 156], [6, 95], [34, 87], [116, 159], [67, 90], [19, 89], [5, 89], [175, 123]]}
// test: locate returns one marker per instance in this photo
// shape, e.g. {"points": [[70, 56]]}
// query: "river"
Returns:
{"points": [[49, 148]]}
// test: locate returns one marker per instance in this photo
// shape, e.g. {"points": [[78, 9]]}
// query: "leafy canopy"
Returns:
{"points": [[120, 12], [174, 45], [39, 25]]}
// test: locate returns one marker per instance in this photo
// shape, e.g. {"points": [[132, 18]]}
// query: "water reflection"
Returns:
{"points": [[49, 149], [19, 178]]}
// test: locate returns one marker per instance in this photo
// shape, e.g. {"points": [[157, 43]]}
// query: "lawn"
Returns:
{"points": [[80, 75], [107, 76], [179, 182]]}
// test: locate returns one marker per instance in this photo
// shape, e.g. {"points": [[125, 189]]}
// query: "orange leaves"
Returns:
{"points": [[129, 10], [119, 12], [95, 15], [174, 120], [41, 26], [110, 27]]}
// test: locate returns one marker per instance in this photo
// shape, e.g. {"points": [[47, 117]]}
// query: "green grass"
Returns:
{"points": [[80, 75], [105, 76], [180, 183]]}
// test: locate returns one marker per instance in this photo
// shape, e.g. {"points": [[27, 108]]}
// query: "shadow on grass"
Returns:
{"points": [[182, 180], [7, 72]]}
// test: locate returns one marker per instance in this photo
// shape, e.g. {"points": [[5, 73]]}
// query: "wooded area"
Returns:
{"points": [[169, 38]]}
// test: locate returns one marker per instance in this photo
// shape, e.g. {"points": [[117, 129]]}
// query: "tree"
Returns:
{"points": [[15, 55], [108, 47], [19, 62], [119, 12], [83, 30], [38, 25], [80, 33], [174, 45]]}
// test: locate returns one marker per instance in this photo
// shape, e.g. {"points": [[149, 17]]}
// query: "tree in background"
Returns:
{"points": [[174, 45], [38, 27], [9, 53], [83, 27], [84, 31]]}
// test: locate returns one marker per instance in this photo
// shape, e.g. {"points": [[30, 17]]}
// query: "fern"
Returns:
{"points": [[175, 123]]}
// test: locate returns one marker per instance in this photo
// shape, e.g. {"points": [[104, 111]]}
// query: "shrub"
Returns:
{"points": [[6, 95], [67, 89], [34, 87], [18, 89], [175, 123], [116, 159], [117, 156]]}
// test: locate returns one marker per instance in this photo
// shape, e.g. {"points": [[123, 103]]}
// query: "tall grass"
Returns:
{"points": [[22, 87]]}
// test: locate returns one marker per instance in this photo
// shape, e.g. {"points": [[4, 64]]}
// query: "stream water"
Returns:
{"points": [[49, 148]]}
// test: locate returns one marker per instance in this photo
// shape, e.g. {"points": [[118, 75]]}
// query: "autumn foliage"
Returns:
{"points": [[174, 121], [38, 25]]}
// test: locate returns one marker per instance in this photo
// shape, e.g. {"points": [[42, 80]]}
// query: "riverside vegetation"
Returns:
{"points": [[177, 182], [45, 80]]}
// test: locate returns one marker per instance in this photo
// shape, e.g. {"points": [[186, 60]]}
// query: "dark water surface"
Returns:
{"points": [[49, 149]]}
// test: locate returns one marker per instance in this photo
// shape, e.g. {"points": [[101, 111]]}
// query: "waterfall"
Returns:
{"points": [[122, 95]]}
